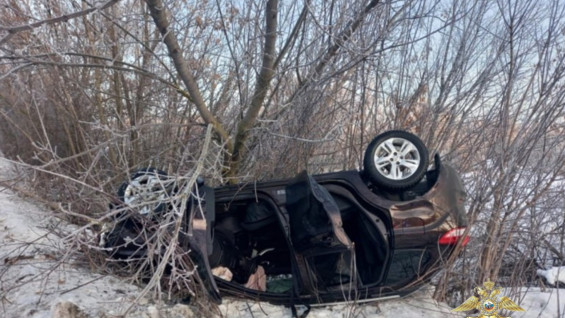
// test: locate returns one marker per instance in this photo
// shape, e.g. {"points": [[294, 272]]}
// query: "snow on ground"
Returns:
{"points": [[553, 275], [419, 304], [31, 279], [538, 303], [28, 252]]}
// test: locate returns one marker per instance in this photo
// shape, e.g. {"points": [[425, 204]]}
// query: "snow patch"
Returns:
{"points": [[553, 275], [540, 303]]}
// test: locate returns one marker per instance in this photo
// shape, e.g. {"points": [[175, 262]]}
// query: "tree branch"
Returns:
{"points": [[157, 10], [293, 34], [332, 51], [63, 18], [261, 87], [342, 38]]}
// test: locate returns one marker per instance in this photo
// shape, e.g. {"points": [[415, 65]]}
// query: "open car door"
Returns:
{"points": [[323, 253], [199, 226], [337, 250]]}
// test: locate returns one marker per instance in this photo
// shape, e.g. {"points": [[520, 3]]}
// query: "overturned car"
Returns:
{"points": [[343, 236]]}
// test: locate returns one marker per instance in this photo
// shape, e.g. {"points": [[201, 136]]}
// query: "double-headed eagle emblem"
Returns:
{"points": [[488, 303]]}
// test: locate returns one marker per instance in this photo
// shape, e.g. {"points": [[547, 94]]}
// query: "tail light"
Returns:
{"points": [[453, 236]]}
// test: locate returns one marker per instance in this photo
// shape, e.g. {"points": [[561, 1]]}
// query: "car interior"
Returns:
{"points": [[249, 233], [246, 235]]}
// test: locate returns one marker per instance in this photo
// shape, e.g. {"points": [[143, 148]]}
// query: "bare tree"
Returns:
{"points": [[91, 90]]}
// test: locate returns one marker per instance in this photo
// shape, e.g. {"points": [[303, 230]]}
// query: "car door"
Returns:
{"points": [[323, 253], [198, 236]]}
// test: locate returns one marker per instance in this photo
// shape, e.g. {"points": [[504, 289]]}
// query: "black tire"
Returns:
{"points": [[396, 160], [146, 191]]}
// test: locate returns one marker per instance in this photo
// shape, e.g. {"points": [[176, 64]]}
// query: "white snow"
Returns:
{"points": [[420, 304], [549, 303], [32, 282], [553, 275]]}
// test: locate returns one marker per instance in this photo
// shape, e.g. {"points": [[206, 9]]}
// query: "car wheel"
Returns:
{"points": [[146, 191], [396, 160]]}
